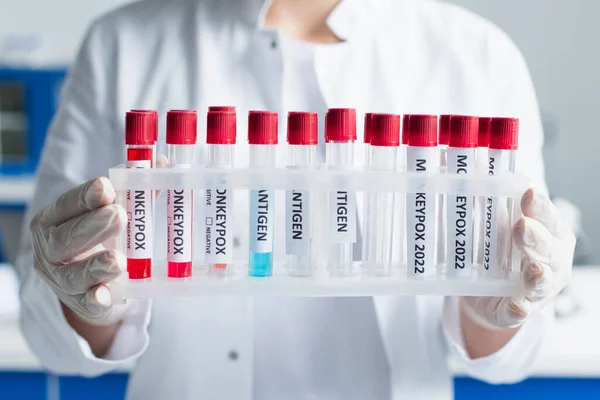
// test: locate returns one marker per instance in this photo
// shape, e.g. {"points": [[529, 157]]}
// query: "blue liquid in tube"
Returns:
{"points": [[260, 263]]}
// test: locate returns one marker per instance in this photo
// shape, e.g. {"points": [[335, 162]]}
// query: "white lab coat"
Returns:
{"points": [[400, 56]]}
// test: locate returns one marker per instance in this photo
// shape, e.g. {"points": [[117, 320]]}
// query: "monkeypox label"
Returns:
{"points": [[460, 216], [138, 204], [218, 245], [297, 222], [420, 216], [342, 217], [261, 221], [498, 161]]}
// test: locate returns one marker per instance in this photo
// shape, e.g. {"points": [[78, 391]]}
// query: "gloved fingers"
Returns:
{"points": [[537, 205], [497, 312], [538, 279], [77, 201], [537, 243], [513, 312], [78, 235], [79, 276]]}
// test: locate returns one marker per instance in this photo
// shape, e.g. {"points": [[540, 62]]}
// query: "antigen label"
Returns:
{"points": [[297, 222], [261, 221], [138, 204], [342, 217]]}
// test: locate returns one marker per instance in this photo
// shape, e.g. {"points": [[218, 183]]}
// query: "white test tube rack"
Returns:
{"points": [[320, 182]]}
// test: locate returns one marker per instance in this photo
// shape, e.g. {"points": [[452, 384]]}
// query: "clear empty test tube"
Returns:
{"points": [[221, 131], [262, 137], [378, 216], [182, 130], [302, 138], [503, 144], [481, 168], [422, 157], [461, 161], [340, 135], [140, 132], [442, 205]]}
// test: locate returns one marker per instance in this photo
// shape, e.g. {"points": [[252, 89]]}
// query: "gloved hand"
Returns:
{"points": [[547, 244], [67, 241]]}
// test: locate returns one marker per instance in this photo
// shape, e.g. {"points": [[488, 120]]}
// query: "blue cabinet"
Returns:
{"points": [[28, 100], [23, 385]]}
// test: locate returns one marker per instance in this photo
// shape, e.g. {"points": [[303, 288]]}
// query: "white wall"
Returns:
{"points": [[559, 39], [36, 32]]}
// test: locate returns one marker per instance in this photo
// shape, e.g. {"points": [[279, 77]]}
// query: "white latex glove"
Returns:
{"points": [[547, 244], [68, 253]]}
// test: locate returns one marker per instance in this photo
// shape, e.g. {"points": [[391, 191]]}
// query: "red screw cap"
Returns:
{"points": [[222, 108], [140, 128], [221, 127], [485, 124], [262, 127], [504, 133], [155, 114], [463, 131], [444, 129], [404, 133], [421, 130], [368, 128], [340, 125], [385, 130], [182, 127], [303, 128]]}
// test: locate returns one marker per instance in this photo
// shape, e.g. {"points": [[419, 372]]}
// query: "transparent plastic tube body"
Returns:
{"points": [[421, 219], [139, 205], [260, 263], [459, 219], [299, 213], [481, 168], [441, 211], [498, 211], [218, 208], [342, 213], [378, 217], [180, 205]]}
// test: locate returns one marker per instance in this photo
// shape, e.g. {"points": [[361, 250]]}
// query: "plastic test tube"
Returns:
{"points": [[422, 157], [461, 160], [140, 128], [340, 134], [379, 207], [441, 211], [302, 137], [182, 130], [503, 144], [262, 137], [481, 167], [367, 139], [220, 137]]}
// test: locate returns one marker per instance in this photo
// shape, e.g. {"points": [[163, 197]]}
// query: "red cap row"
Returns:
{"points": [[340, 126]]}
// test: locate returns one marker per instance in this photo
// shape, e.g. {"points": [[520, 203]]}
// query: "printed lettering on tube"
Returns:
{"points": [[302, 138], [442, 204], [262, 137], [503, 144], [422, 157], [461, 160], [182, 127], [481, 167], [221, 131], [140, 133], [378, 216]]}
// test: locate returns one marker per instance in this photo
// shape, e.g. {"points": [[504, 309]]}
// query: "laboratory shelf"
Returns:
{"points": [[205, 283]]}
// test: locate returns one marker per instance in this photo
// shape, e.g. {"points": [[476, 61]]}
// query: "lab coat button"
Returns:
{"points": [[236, 242], [233, 355]]}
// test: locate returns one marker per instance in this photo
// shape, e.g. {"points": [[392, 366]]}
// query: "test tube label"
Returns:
{"points": [[421, 218], [261, 221], [297, 222], [217, 233], [138, 204], [460, 215], [179, 225], [342, 217]]}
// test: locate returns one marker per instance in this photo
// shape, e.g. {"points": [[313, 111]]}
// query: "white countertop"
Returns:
{"points": [[571, 349], [16, 189]]}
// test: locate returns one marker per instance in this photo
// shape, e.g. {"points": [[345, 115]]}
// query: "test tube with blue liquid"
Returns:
{"points": [[262, 138]]}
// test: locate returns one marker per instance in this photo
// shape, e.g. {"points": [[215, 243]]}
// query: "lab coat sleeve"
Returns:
{"points": [[514, 95], [82, 143]]}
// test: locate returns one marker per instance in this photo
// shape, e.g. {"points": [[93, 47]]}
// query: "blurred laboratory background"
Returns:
{"points": [[38, 40]]}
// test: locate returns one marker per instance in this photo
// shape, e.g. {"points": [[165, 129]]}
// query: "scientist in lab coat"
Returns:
{"points": [[375, 55]]}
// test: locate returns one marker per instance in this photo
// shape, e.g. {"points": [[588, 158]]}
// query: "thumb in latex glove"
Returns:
{"points": [[547, 245]]}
